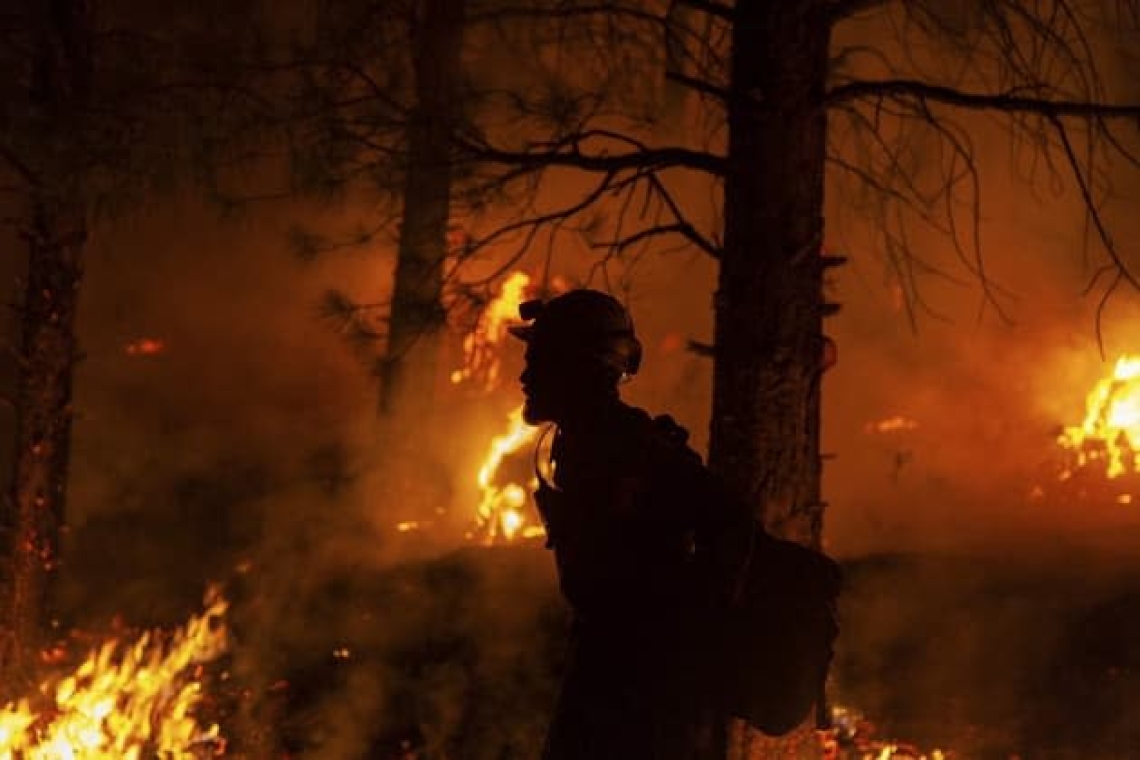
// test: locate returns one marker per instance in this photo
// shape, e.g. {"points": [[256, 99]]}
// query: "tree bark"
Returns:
{"points": [[55, 231], [764, 437], [416, 320], [769, 306]]}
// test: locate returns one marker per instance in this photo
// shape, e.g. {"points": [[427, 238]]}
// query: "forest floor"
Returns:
{"points": [[1032, 651]]}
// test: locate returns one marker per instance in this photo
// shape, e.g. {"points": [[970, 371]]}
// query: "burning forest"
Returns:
{"points": [[280, 280]]}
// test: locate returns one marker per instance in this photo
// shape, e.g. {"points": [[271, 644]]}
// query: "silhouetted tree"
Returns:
{"points": [[98, 113], [386, 89], [56, 74], [381, 89], [416, 319]]}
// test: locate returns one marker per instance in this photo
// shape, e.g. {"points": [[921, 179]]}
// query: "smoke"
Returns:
{"points": [[247, 450], [242, 446], [988, 655]]}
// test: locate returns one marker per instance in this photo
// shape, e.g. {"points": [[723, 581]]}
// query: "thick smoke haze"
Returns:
{"points": [[242, 445], [248, 377]]}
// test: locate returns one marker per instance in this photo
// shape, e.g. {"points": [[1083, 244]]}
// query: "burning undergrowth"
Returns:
{"points": [[340, 647], [127, 699]]}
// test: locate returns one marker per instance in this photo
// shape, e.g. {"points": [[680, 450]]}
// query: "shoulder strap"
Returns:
{"points": [[543, 482]]}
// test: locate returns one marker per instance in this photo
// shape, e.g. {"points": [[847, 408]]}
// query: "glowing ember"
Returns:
{"points": [[852, 736], [501, 514], [1107, 437], [145, 347], [890, 425], [124, 703], [480, 358]]}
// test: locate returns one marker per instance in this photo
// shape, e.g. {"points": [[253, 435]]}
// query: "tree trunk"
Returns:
{"points": [[416, 321], [764, 437], [32, 517]]}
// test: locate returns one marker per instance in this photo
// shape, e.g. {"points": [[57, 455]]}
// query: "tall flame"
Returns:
{"points": [[481, 361], [501, 514], [1111, 428], [124, 703]]}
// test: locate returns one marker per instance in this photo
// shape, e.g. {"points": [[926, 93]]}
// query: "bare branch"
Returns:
{"points": [[678, 228], [1009, 101], [705, 350], [568, 11], [841, 10], [604, 186], [699, 85], [572, 156], [715, 9], [1075, 164]]}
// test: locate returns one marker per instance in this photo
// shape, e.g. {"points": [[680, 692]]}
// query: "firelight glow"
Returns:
{"points": [[124, 702], [1110, 431], [500, 514], [480, 347]]}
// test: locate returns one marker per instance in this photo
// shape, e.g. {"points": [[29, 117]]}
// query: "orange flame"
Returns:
{"points": [[890, 425], [145, 347], [852, 736], [481, 361], [1111, 428], [124, 703], [501, 514]]}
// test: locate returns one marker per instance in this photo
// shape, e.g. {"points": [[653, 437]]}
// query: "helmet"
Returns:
{"points": [[583, 321]]}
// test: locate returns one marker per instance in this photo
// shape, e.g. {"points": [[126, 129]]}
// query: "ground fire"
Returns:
{"points": [[125, 701], [1106, 439], [852, 736], [503, 513]]}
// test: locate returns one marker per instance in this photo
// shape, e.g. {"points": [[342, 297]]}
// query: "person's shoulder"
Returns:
{"points": [[661, 437]]}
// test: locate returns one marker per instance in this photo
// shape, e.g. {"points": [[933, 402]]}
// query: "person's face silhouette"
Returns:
{"points": [[551, 385]]}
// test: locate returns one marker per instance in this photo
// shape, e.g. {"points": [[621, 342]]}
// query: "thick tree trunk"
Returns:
{"points": [[32, 516], [764, 438], [416, 321]]}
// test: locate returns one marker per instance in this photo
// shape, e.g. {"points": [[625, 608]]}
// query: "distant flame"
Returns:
{"points": [[481, 361], [123, 702], [501, 514], [145, 347], [1111, 428], [890, 425], [852, 736]]}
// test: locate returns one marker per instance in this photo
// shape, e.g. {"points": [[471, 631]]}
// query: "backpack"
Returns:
{"points": [[780, 634], [779, 630]]}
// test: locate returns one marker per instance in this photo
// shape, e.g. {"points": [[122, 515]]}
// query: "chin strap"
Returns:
{"points": [[547, 498], [542, 481]]}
